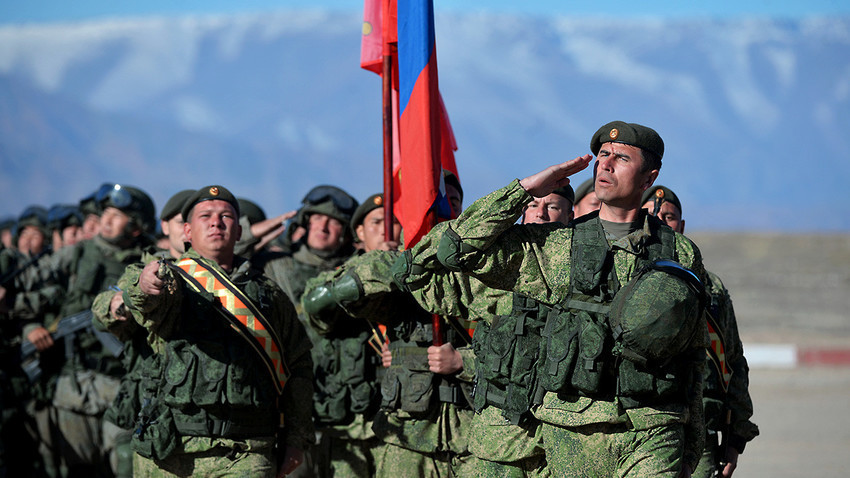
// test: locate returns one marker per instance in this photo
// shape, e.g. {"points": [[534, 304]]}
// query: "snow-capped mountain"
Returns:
{"points": [[755, 113]]}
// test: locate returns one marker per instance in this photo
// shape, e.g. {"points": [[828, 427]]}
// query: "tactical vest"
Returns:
{"points": [[507, 352], [571, 347], [345, 373], [207, 382], [409, 384], [95, 272]]}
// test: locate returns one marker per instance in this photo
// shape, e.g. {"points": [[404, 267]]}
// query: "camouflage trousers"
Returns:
{"points": [[345, 458], [504, 449], [255, 460], [393, 461], [708, 460], [80, 400], [608, 451]]}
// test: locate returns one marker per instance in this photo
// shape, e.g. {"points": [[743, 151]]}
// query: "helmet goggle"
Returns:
{"points": [[340, 199], [115, 195]]}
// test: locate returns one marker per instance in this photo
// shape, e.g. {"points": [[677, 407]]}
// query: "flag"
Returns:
{"points": [[425, 139], [422, 139]]}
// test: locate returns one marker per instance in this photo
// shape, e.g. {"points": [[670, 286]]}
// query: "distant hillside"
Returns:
{"points": [[790, 288], [754, 113]]}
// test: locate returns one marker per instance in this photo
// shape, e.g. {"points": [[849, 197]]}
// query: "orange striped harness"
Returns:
{"points": [[717, 352], [241, 314]]}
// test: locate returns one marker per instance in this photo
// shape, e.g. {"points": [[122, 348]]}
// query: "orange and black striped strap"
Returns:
{"points": [[241, 314], [717, 352]]}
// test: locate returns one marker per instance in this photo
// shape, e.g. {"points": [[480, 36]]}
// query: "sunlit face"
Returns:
{"points": [[91, 227], [70, 235], [31, 240], [113, 223], [324, 233], [551, 208], [619, 181], [371, 232], [213, 228], [174, 234], [669, 214]]}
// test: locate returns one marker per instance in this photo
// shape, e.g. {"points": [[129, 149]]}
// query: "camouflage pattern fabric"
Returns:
{"points": [[432, 442], [535, 260], [212, 458], [171, 318]]}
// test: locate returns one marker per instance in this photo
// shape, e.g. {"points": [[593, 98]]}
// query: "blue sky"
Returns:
{"points": [[27, 11]]}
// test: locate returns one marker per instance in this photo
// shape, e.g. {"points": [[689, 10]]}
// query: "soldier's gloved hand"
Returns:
{"points": [[291, 459], [318, 300], [41, 338], [149, 281]]}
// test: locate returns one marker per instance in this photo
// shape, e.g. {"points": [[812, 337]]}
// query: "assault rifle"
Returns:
{"points": [[67, 329], [9, 277]]}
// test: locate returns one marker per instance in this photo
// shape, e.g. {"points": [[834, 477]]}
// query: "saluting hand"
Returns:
{"points": [[149, 281], [543, 183]]}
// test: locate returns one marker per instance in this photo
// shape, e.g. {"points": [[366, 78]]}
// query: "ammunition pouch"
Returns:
{"points": [[508, 352], [409, 383], [345, 378]]}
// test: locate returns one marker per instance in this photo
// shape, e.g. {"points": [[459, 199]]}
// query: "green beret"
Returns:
{"points": [[251, 210], [627, 133], [666, 194], [175, 205], [370, 204], [208, 193], [583, 189], [566, 192]]}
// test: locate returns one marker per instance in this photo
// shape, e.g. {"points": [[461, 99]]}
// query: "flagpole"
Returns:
{"points": [[387, 104]]}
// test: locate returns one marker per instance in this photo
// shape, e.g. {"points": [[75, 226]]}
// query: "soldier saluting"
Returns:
{"points": [[231, 387]]}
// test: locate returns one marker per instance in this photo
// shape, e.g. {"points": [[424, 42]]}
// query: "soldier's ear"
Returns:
{"points": [[187, 231]]}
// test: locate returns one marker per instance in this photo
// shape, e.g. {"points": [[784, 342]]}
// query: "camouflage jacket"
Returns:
{"points": [[436, 426], [190, 339], [534, 260]]}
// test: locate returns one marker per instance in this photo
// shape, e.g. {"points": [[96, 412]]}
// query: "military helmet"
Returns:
{"points": [[330, 201], [32, 216], [131, 201], [656, 314], [60, 216]]}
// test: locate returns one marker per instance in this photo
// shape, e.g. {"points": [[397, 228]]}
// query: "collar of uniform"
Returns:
{"points": [[635, 242]]}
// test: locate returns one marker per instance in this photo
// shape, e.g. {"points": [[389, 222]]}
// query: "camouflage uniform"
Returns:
{"points": [[737, 400], [28, 422], [424, 417], [207, 402], [344, 372], [582, 435]]}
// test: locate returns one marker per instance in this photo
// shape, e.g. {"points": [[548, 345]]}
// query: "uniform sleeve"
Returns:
{"points": [[101, 316], [297, 401]]}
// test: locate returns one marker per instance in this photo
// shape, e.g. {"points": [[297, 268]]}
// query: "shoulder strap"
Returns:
{"points": [[240, 313]]}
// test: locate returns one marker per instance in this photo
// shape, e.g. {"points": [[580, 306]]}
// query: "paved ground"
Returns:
{"points": [[792, 293]]}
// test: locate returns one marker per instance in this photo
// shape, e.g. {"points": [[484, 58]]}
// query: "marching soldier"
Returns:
{"points": [[228, 388], [728, 406]]}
